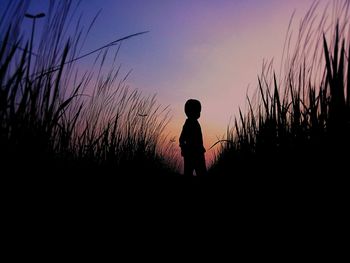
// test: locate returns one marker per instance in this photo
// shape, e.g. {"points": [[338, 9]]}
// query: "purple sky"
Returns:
{"points": [[209, 50]]}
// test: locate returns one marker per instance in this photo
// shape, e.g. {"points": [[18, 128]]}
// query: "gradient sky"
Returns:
{"points": [[211, 50]]}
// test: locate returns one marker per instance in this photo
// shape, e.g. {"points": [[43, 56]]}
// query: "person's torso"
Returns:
{"points": [[193, 136]]}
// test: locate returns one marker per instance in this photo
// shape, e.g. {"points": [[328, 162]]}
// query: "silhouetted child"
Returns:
{"points": [[191, 140]]}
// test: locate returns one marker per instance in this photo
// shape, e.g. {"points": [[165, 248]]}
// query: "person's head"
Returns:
{"points": [[193, 109]]}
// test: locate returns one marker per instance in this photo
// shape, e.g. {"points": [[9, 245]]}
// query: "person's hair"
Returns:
{"points": [[193, 108]]}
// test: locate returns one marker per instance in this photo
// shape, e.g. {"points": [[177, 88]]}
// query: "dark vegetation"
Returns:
{"points": [[297, 127], [54, 118]]}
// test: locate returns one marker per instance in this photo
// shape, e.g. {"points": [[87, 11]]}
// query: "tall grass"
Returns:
{"points": [[299, 120], [53, 115]]}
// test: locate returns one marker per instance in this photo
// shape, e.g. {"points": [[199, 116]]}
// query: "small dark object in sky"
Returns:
{"points": [[34, 16]]}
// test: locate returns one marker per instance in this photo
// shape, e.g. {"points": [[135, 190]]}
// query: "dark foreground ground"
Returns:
{"points": [[294, 208], [270, 182]]}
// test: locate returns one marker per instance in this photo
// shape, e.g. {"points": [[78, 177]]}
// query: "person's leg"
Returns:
{"points": [[188, 167], [200, 166]]}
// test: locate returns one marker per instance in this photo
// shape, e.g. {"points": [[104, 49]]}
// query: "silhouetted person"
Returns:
{"points": [[191, 140]]}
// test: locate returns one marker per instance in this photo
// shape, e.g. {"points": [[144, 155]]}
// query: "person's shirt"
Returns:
{"points": [[191, 139]]}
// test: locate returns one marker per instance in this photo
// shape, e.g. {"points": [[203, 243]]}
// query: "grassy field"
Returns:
{"points": [[298, 122], [55, 118]]}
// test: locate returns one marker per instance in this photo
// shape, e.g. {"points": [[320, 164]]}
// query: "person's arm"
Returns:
{"points": [[201, 139], [182, 139]]}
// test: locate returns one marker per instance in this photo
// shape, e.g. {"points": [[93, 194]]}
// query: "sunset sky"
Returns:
{"points": [[211, 50]]}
